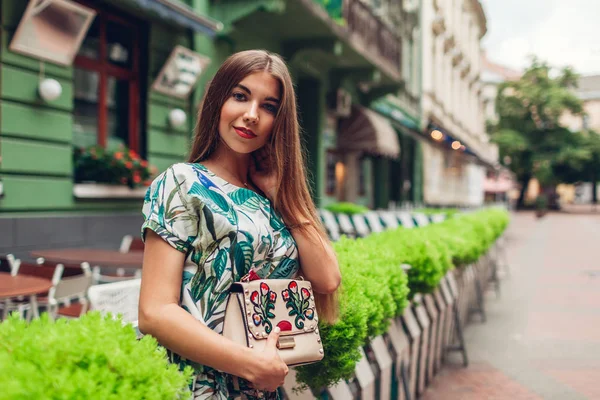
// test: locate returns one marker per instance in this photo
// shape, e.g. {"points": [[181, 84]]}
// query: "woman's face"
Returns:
{"points": [[248, 114]]}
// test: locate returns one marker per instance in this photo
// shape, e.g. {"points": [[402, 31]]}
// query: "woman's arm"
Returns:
{"points": [[161, 316], [318, 260]]}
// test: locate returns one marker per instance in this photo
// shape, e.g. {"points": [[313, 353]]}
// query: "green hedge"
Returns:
{"points": [[92, 357], [375, 288], [98, 358], [346, 208]]}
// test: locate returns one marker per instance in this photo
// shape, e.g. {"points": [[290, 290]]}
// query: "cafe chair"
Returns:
{"points": [[21, 304], [68, 297], [118, 298]]}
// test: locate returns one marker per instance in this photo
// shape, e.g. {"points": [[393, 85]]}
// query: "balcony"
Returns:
{"points": [[371, 32]]}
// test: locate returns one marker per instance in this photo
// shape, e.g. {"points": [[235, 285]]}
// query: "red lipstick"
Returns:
{"points": [[244, 132]]}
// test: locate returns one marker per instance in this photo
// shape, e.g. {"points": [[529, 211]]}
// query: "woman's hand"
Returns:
{"points": [[262, 173], [269, 371]]}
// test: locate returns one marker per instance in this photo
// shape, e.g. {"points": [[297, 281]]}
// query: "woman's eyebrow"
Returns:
{"points": [[245, 89]]}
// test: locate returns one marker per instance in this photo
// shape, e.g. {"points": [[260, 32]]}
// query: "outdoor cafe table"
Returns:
{"points": [[23, 285], [95, 257]]}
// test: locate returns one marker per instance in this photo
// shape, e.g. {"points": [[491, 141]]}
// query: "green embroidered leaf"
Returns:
{"points": [[246, 198], [270, 315], [220, 263], [276, 222]]}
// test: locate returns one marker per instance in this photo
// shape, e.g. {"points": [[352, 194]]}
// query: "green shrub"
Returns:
{"points": [[346, 208], [93, 357], [375, 289]]}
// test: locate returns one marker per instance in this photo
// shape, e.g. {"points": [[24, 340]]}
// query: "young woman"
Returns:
{"points": [[241, 203]]}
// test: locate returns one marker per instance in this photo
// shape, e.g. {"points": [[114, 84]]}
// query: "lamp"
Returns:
{"points": [[177, 117], [50, 89]]}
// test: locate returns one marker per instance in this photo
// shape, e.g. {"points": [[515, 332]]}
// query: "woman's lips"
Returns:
{"points": [[245, 133]]}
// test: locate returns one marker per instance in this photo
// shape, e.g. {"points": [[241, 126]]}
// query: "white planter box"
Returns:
{"points": [[104, 191]]}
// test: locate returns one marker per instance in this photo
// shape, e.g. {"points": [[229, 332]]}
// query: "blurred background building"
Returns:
{"points": [[389, 94]]}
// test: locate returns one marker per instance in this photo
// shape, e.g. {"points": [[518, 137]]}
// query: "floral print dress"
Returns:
{"points": [[225, 231]]}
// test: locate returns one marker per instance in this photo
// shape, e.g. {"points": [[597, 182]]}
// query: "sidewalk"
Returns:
{"points": [[542, 336]]}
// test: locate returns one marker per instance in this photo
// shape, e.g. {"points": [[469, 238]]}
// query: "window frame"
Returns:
{"points": [[105, 69]]}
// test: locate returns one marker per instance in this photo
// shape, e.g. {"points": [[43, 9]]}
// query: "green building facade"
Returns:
{"points": [[324, 42]]}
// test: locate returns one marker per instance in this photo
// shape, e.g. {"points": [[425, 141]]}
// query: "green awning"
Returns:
{"points": [[395, 113]]}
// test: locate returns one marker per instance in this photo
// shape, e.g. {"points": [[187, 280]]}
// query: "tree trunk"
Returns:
{"points": [[524, 184]]}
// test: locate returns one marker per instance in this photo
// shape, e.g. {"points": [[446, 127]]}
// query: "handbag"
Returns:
{"points": [[256, 307]]}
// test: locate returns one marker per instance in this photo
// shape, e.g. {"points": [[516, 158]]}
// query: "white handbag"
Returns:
{"points": [[256, 307]]}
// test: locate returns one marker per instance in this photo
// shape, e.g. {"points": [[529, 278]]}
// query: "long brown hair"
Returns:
{"points": [[293, 199]]}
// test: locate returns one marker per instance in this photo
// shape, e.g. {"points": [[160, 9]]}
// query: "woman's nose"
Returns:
{"points": [[251, 115]]}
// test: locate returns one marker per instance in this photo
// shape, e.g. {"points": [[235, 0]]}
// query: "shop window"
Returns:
{"points": [[106, 82]]}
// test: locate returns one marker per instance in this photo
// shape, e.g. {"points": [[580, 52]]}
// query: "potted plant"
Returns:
{"points": [[110, 173]]}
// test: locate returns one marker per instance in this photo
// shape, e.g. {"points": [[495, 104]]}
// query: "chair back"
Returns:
{"points": [[73, 286], [117, 298], [131, 243], [39, 270]]}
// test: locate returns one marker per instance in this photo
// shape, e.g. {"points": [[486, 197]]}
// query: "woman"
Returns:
{"points": [[241, 203]]}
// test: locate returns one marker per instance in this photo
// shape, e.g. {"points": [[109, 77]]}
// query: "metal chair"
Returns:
{"points": [[68, 297], [118, 298]]}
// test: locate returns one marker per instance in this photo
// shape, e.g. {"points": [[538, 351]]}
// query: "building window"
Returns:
{"points": [[106, 83]]}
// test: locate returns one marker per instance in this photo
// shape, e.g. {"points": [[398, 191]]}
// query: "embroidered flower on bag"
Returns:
{"points": [[298, 304], [264, 303]]}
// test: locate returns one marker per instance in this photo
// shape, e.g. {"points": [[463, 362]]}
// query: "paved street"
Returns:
{"points": [[542, 337]]}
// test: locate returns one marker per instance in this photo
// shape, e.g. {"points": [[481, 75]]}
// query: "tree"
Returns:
{"points": [[529, 131]]}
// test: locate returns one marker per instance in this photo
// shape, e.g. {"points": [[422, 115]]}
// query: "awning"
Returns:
{"points": [[365, 130], [180, 14], [396, 114]]}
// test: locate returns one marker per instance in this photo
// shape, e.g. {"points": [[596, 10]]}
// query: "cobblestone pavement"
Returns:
{"points": [[542, 335]]}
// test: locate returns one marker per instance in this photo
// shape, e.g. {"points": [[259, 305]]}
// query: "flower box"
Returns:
{"points": [[106, 191]]}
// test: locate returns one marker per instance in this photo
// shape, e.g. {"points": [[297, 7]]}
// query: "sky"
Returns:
{"points": [[562, 32]]}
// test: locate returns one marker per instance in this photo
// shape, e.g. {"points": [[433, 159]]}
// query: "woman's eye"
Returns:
{"points": [[239, 96], [271, 108]]}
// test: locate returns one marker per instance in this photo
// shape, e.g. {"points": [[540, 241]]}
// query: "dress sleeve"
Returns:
{"points": [[169, 210]]}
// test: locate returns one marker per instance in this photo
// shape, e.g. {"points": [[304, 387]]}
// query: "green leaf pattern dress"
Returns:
{"points": [[224, 230]]}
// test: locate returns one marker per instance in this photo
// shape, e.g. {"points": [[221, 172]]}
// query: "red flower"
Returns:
{"points": [[264, 288], [309, 313], [272, 297], [284, 326], [285, 294], [305, 294], [118, 155], [144, 163], [137, 178], [257, 319], [128, 165], [293, 286], [254, 297]]}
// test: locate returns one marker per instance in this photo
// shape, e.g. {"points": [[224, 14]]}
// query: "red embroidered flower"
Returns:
{"points": [[293, 286], [254, 297], [285, 294], [309, 313], [264, 288], [272, 297], [285, 326], [305, 294], [257, 319]]}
